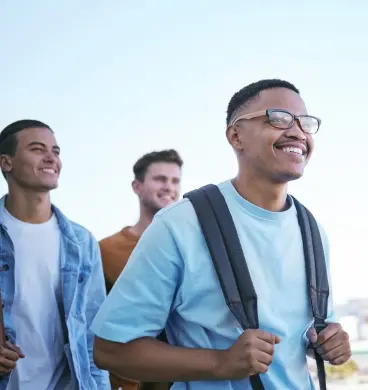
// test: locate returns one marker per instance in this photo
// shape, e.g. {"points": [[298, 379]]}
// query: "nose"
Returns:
{"points": [[169, 186], [295, 132], [50, 157]]}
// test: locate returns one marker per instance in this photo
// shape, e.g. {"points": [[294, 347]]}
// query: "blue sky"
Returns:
{"points": [[116, 79]]}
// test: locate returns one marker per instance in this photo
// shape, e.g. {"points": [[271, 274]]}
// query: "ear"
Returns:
{"points": [[234, 137], [5, 163], [136, 185]]}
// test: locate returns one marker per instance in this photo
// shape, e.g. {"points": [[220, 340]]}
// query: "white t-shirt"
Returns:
{"points": [[37, 308]]}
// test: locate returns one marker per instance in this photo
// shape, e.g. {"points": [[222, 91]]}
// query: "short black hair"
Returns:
{"points": [[251, 91], [8, 137], [168, 155]]}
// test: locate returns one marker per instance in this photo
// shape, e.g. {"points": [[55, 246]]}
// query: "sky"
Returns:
{"points": [[118, 79]]}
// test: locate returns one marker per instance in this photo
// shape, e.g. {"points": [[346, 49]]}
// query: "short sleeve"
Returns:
{"points": [[141, 300]]}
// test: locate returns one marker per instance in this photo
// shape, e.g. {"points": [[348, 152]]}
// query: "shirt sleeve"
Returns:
{"points": [[141, 300]]}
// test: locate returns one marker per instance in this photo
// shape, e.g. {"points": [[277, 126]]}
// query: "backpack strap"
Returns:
{"points": [[316, 277], [227, 255]]}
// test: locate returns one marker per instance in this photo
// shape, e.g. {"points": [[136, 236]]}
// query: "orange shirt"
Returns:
{"points": [[115, 252]]}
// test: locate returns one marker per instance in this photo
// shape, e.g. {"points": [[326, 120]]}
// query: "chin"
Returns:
{"points": [[49, 187], [286, 177], [291, 176]]}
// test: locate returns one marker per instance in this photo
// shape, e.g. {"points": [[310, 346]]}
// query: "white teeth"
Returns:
{"points": [[292, 150], [47, 170]]}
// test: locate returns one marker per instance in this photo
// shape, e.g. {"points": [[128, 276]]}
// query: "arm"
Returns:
{"points": [[95, 297], [107, 264], [151, 360], [136, 311]]}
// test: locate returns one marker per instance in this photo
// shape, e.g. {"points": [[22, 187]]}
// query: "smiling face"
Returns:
{"points": [[279, 155], [159, 187], [36, 163]]}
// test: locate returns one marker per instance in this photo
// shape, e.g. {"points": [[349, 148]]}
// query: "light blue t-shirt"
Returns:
{"points": [[170, 282]]}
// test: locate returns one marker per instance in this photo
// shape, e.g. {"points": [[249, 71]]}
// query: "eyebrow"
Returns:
{"points": [[162, 176], [37, 143]]}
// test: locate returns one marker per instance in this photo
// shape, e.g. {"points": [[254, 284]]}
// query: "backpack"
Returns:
{"points": [[232, 271]]}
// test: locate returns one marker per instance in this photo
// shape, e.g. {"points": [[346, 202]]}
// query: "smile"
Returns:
{"points": [[292, 150], [48, 170], [166, 198]]}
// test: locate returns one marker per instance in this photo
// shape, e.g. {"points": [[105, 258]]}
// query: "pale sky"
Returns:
{"points": [[117, 79]]}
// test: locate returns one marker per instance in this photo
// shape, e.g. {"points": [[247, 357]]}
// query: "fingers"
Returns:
{"points": [[328, 346], [264, 347], [328, 332], [259, 368], [8, 357], [340, 359], [312, 335], [336, 349], [15, 348], [7, 364], [8, 360], [263, 351], [261, 362], [8, 354], [263, 358], [333, 344], [337, 354], [4, 370], [267, 337]]}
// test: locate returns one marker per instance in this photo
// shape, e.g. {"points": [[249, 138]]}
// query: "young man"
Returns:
{"points": [[170, 280], [51, 281], [157, 184]]}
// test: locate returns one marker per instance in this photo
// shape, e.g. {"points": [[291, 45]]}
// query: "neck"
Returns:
{"points": [[264, 194], [27, 206], [145, 219]]}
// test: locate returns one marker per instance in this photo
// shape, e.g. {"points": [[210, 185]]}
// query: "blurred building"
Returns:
{"points": [[353, 315]]}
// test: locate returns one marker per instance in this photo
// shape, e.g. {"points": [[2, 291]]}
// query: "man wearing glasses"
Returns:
{"points": [[171, 281]]}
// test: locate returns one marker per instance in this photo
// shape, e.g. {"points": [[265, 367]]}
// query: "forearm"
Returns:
{"points": [[150, 360]]}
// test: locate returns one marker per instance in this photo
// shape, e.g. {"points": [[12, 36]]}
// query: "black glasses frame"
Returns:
{"points": [[269, 111]]}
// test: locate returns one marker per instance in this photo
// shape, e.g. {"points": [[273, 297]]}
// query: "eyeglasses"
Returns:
{"points": [[281, 119]]}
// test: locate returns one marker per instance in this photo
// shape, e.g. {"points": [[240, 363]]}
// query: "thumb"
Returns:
{"points": [[312, 335]]}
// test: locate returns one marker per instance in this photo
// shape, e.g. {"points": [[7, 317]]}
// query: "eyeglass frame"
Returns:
{"points": [[267, 112]]}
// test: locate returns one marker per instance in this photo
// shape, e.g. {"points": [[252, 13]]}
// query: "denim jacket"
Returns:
{"points": [[83, 290]]}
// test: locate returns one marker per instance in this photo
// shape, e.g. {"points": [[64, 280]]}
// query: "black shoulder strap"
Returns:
{"points": [[316, 277], [227, 255]]}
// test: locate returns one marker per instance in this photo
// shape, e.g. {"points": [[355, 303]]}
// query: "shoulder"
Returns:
{"points": [[109, 241], [180, 220], [179, 211], [183, 212], [170, 231], [322, 232], [75, 232], [83, 235]]}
